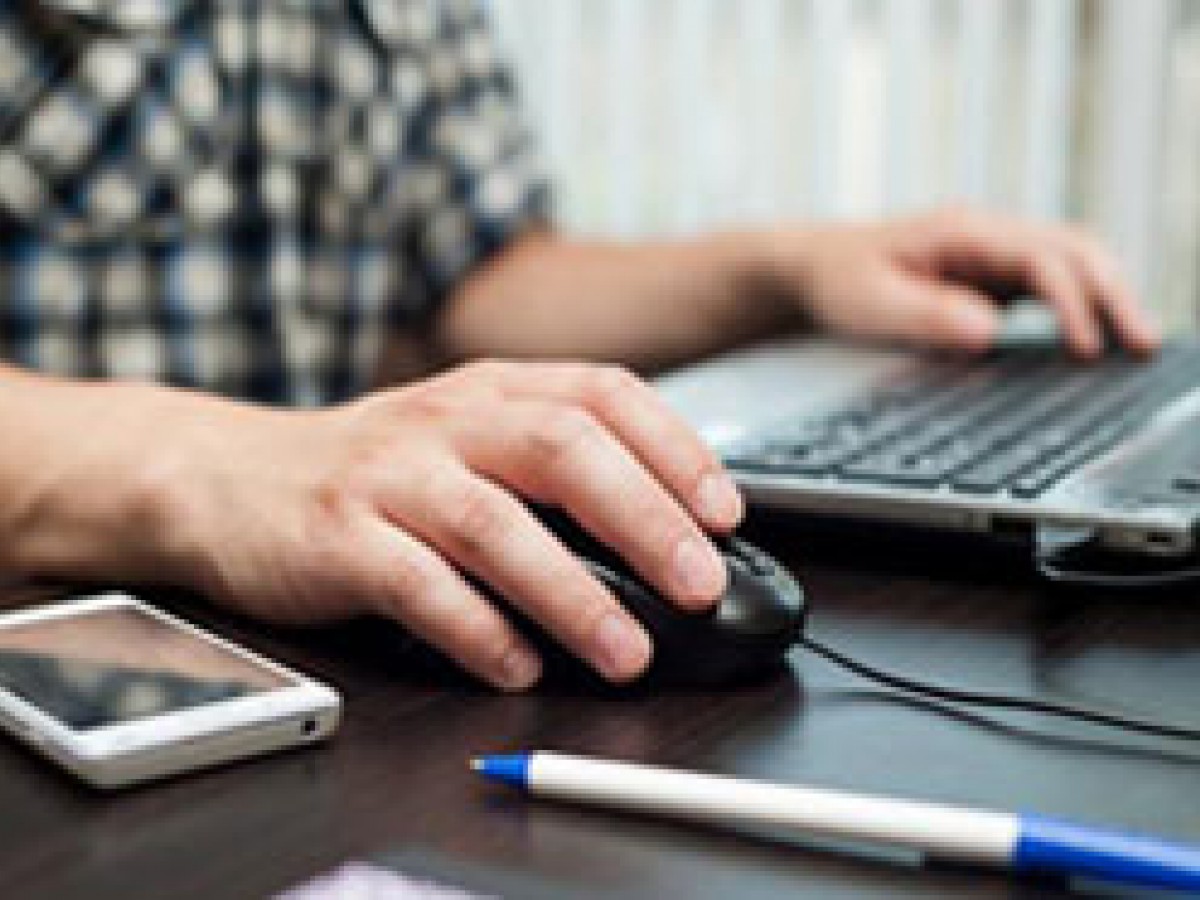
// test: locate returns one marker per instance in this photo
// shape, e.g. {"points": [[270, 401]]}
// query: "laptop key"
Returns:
{"points": [[819, 462], [994, 474], [898, 471], [981, 481], [1187, 483], [1040, 479]]}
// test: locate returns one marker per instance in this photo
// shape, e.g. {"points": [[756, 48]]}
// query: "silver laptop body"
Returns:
{"points": [[1128, 497]]}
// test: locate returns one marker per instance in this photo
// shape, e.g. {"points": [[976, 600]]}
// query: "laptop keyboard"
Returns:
{"points": [[1016, 425]]}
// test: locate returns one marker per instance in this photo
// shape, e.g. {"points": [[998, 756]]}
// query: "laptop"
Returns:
{"points": [[1020, 442]]}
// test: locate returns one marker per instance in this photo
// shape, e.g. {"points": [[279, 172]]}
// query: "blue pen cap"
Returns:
{"points": [[1051, 845]]}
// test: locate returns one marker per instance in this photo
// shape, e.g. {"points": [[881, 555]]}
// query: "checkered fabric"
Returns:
{"points": [[247, 196]]}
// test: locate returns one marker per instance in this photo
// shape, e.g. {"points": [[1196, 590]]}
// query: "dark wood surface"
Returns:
{"points": [[395, 777]]}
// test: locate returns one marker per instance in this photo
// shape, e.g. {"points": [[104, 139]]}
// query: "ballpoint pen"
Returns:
{"points": [[1021, 842]]}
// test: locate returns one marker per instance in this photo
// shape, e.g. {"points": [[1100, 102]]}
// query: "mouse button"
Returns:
{"points": [[637, 599], [576, 539], [752, 605]]}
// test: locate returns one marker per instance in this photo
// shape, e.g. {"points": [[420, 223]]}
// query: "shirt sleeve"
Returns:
{"points": [[468, 173]]}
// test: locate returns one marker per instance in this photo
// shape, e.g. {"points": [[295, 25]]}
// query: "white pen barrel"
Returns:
{"points": [[952, 832]]}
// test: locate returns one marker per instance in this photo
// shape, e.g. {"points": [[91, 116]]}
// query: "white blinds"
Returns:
{"points": [[668, 116]]}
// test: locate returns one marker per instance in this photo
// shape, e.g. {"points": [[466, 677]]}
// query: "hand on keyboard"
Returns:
{"points": [[935, 279]]}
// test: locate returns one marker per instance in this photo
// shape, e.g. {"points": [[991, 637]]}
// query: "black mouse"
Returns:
{"points": [[758, 619], [744, 636]]}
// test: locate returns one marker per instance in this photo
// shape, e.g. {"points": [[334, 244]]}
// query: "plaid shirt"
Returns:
{"points": [[247, 196]]}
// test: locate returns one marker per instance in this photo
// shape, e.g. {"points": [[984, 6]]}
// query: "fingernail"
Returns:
{"points": [[718, 501], [520, 669], [699, 570], [624, 648]]}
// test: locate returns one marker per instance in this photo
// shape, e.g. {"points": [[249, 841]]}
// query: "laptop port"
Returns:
{"points": [[1160, 540]]}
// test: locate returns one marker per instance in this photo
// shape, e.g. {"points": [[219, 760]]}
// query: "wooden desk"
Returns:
{"points": [[396, 775]]}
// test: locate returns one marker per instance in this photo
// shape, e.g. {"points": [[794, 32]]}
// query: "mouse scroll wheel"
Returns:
{"points": [[744, 558]]}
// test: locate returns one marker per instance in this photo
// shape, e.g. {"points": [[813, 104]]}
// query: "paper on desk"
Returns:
{"points": [[363, 881]]}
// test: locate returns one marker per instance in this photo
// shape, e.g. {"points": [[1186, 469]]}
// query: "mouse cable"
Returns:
{"points": [[998, 701]]}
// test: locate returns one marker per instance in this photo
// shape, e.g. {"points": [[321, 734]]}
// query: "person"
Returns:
{"points": [[285, 321]]}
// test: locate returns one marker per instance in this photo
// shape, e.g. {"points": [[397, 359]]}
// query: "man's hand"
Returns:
{"points": [[931, 280], [935, 279], [388, 504]]}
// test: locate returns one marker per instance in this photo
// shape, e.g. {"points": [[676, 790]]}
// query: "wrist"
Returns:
{"points": [[772, 267], [101, 495]]}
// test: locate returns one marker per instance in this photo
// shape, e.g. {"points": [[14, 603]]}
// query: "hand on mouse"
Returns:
{"points": [[381, 506], [932, 280]]}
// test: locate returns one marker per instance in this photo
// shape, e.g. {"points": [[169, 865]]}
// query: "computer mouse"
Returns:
{"points": [[745, 636], [758, 619]]}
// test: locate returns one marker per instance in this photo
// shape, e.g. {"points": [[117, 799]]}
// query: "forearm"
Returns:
{"points": [[646, 305], [82, 491]]}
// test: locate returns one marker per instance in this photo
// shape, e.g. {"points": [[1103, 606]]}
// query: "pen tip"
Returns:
{"points": [[476, 764]]}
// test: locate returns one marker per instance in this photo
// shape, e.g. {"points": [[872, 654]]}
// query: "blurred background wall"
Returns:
{"points": [[662, 117]]}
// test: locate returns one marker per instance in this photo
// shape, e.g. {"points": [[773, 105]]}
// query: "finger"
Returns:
{"points": [[1110, 292], [994, 247], [938, 314], [653, 432], [1054, 281], [485, 531], [562, 455], [416, 587]]}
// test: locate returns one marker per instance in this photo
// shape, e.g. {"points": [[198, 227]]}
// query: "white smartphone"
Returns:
{"points": [[119, 692]]}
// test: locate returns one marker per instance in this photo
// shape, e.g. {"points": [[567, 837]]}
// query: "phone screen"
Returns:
{"points": [[105, 666]]}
